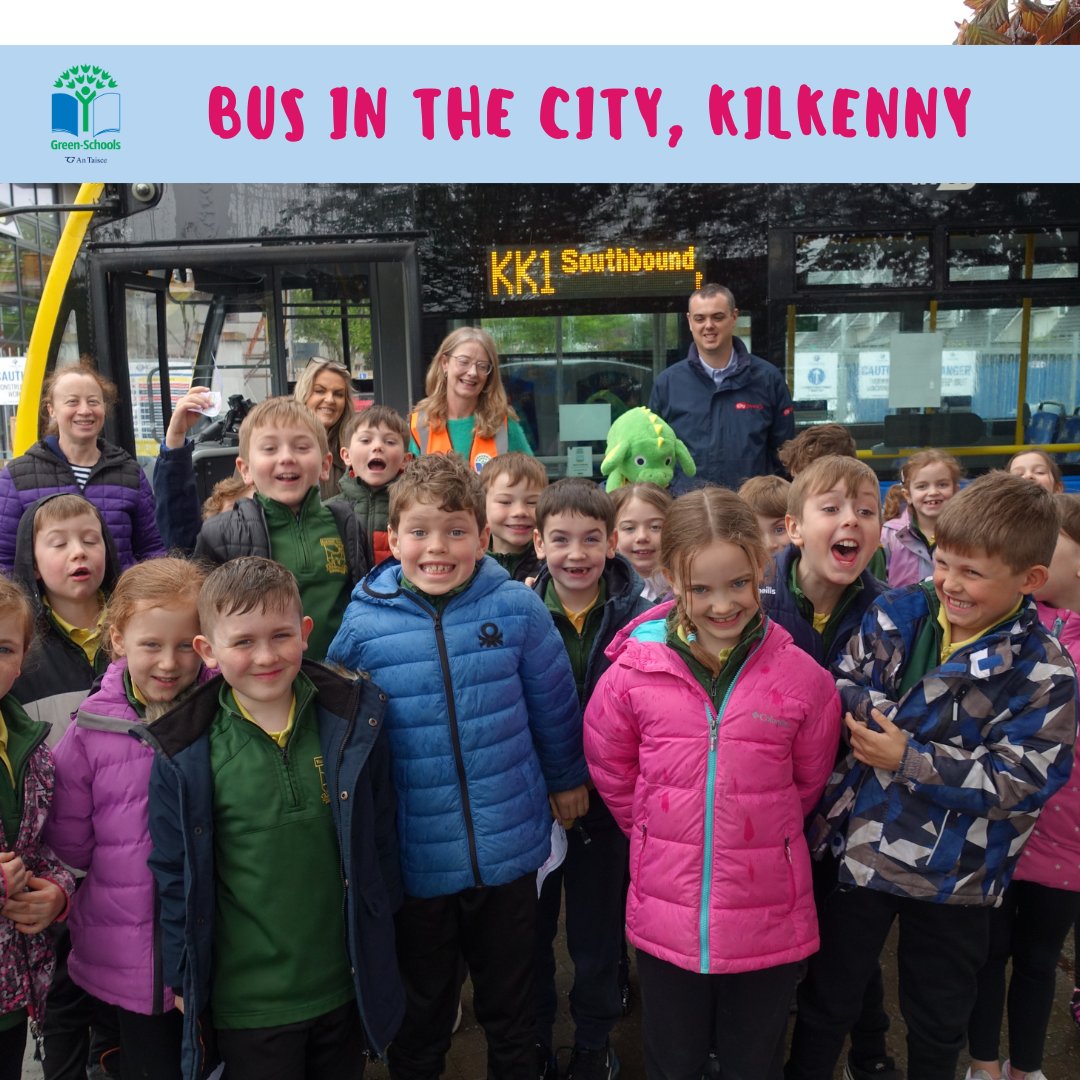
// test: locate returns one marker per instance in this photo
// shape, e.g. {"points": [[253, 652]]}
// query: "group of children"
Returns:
{"points": [[271, 881]]}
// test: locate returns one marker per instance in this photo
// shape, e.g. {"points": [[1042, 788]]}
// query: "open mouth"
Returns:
{"points": [[375, 465], [81, 574], [723, 622], [287, 478], [437, 569], [846, 552]]}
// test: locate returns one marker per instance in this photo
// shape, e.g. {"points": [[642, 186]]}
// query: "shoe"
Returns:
{"points": [[1074, 1006], [976, 1074], [546, 1069], [457, 1021], [1006, 1073], [586, 1064], [883, 1068]]}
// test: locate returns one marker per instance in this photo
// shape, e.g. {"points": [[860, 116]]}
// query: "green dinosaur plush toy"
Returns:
{"points": [[642, 448]]}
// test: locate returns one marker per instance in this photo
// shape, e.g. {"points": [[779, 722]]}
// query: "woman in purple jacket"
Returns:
{"points": [[99, 820], [74, 458]]}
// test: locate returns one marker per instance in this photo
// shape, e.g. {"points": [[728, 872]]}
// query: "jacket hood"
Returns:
{"points": [[900, 523], [621, 641], [24, 553]]}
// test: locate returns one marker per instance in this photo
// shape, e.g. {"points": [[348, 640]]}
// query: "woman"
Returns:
{"points": [[324, 387], [466, 408], [74, 458]]}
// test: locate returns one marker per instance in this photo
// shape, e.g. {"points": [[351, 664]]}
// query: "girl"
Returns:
{"points": [[325, 387], [73, 457], [1039, 466], [1043, 901], [929, 478], [34, 886], [710, 738], [99, 819], [640, 510]]}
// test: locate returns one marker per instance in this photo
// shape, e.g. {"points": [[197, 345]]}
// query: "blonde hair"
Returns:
{"points": [[85, 366], [64, 508], [281, 412], [224, 493], [1002, 516], [895, 501], [14, 601], [929, 457], [767, 496], [517, 467], [695, 521], [442, 480], [492, 407], [824, 474], [164, 583], [817, 441], [306, 383]]}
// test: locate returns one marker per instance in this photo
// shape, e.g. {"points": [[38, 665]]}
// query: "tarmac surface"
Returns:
{"points": [[467, 1059]]}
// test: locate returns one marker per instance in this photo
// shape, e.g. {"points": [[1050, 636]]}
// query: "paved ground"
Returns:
{"points": [[467, 1056]]}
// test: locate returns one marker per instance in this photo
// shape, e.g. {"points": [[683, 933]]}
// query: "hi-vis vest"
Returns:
{"points": [[431, 440]]}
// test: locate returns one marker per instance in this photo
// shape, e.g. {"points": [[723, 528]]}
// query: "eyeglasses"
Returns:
{"points": [[464, 363]]}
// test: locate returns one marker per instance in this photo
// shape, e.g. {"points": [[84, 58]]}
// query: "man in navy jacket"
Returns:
{"points": [[731, 408]]}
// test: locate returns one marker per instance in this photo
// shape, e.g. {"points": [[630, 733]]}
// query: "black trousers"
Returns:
{"points": [[494, 929], [592, 876], [1030, 926], [328, 1047], [742, 1016], [941, 949], [150, 1046], [12, 1049]]}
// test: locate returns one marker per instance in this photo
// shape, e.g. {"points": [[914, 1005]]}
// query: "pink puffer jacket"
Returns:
{"points": [[907, 557], [1051, 856], [714, 807]]}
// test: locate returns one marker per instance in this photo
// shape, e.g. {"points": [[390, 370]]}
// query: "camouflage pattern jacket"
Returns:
{"points": [[991, 733]]}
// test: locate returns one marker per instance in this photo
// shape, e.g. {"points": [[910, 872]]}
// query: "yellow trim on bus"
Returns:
{"points": [[52, 296], [973, 451]]}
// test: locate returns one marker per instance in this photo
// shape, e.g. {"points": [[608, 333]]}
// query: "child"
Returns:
{"points": [[819, 589], [930, 478], [821, 586], [273, 844], [483, 724], [592, 592], [767, 496], [65, 559], [223, 496], [962, 719], [34, 885], [1042, 902], [283, 452], [813, 442], [1039, 466], [374, 449], [512, 485], [710, 738], [640, 510], [99, 817]]}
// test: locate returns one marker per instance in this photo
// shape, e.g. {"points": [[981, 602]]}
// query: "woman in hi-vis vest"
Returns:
{"points": [[466, 408]]}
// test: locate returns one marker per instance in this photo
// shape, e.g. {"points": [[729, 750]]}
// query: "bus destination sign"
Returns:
{"points": [[562, 272]]}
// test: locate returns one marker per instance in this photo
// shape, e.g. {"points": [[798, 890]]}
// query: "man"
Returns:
{"points": [[732, 409]]}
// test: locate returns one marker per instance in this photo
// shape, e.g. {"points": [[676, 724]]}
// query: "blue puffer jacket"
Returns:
{"points": [[781, 605], [732, 431], [483, 722], [181, 819]]}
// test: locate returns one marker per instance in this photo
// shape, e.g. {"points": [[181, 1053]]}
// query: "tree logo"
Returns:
{"points": [[86, 103]]}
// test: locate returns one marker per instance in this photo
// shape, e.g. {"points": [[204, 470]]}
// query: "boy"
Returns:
{"points": [[592, 592], [962, 718], [284, 454], [483, 725], [512, 484], [816, 441], [820, 589], [374, 447], [767, 496], [65, 559], [274, 846]]}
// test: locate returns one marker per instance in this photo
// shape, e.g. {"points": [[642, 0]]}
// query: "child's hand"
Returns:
{"points": [[33, 910], [882, 749], [179, 1003], [186, 415], [568, 806], [15, 873]]}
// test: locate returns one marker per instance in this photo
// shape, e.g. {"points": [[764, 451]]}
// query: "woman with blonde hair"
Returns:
{"points": [[325, 387], [466, 409]]}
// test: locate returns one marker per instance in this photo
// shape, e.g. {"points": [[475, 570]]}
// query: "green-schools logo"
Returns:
{"points": [[85, 103]]}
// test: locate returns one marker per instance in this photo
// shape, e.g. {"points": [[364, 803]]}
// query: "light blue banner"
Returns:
{"points": [[829, 114]]}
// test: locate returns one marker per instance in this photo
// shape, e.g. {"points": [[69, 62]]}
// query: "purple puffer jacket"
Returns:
{"points": [[714, 805], [99, 823], [1051, 856], [907, 557], [117, 487], [26, 960]]}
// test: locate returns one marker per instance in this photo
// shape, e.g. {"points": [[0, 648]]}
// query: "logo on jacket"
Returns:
{"points": [[749, 405], [490, 636], [481, 461], [334, 549], [321, 770]]}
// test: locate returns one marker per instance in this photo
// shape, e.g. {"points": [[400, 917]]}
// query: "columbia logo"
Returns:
{"points": [[776, 721]]}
